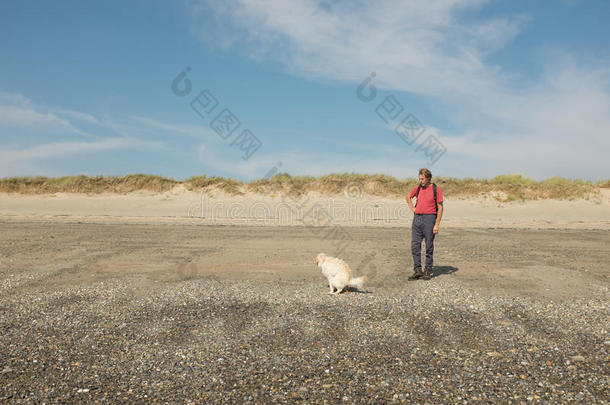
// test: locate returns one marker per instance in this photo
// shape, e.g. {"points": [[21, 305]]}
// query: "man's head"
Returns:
{"points": [[425, 177]]}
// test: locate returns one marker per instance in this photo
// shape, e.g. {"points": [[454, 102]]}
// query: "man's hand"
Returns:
{"points": [[435, 229]]}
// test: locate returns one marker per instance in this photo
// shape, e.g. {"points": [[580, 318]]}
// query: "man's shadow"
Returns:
{"points": [[440, 270], [436, 271]]}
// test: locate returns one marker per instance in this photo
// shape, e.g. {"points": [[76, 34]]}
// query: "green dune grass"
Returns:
{"points": [[509, 187]]}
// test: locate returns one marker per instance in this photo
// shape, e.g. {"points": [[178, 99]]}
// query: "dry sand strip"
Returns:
{"points": [[231, 314], [184, 207]]}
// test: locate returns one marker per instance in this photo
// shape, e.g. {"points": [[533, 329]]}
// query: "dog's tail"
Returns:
{"points": [[358, 282]]}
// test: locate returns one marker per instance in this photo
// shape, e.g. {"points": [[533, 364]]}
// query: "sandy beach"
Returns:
{"points": [[109, 312], [184, 297], [217, 207]]}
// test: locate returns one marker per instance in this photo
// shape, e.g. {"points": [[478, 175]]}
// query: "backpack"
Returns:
{"points": [[433, 190]]}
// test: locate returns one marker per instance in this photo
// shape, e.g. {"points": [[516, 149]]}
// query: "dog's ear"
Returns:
{"points": [[319, 258]]}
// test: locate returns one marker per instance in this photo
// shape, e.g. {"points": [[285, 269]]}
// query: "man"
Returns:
{"points": [[427, 217]]}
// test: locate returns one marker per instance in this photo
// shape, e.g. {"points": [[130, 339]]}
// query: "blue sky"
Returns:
{"points": [[495, 87]]}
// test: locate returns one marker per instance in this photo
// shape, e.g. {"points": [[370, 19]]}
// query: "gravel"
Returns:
{"points": [[227, 341]]}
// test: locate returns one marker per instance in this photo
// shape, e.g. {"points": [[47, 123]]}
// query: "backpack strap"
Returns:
{"points": [[434, 190]]}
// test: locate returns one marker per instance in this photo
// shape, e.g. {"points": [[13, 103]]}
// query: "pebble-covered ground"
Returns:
{"points": [[116, 336]]}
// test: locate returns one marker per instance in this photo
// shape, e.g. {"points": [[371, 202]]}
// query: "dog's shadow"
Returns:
{"points": [[440, 270], [349, 290], [355, 290]]}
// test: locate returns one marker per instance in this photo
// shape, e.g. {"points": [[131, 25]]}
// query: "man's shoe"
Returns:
{"points": [[417, 274], [427, 274]]}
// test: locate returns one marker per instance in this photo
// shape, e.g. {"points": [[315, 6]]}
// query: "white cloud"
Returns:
{"points": [[58, 149], [14, 99], [27, 117], [194, 131], [80, 116], [27, 157], [403, 42], [17, 110], [25, 161], [558, 126]]}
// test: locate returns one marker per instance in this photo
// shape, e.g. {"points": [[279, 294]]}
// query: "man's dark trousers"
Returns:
{"points": [[422, 228]]}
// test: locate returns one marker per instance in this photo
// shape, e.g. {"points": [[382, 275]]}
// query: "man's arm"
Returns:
{"points": [[438, 217], [410, 202]]}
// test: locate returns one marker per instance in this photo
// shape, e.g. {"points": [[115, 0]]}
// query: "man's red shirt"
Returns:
{"points": [[425, 199]]}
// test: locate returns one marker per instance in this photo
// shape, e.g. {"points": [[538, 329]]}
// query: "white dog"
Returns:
{"points": [[338, 273]]}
